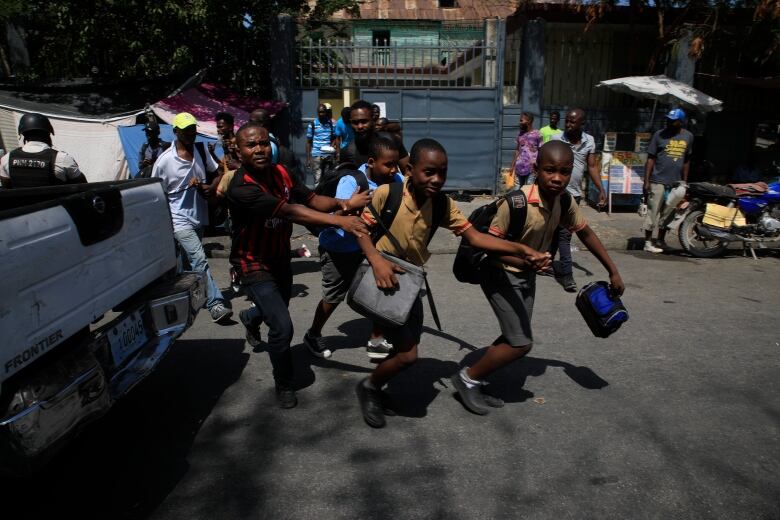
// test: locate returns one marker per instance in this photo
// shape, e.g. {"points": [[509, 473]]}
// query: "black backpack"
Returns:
{"points": [[329, 182], [468, 259]]}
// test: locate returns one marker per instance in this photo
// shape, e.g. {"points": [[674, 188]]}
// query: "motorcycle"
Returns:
{"points": [[712, 216]]}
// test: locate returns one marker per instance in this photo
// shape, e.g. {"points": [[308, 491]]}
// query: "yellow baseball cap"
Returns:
{"points": [[183, 120]]}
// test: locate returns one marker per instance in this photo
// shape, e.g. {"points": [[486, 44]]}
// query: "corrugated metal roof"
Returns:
{"points": [[430, 10]]}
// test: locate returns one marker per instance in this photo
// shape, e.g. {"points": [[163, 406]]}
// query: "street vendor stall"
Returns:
{"points": [[623, 160]]}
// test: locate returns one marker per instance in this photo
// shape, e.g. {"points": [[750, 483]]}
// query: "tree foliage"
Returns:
{"points": [[130, 40], [747, 29]]}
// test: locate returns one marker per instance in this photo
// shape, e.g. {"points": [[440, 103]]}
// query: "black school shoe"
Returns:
{"points": [[286, 397], [472, 398], [370, 405]]}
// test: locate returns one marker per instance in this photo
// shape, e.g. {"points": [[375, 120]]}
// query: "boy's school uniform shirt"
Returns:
{"points": [[412, 225], [541, 223], [336, 240], [261, 237]]}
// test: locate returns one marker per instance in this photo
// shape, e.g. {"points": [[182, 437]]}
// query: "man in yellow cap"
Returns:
{"points": [[184, 168]]}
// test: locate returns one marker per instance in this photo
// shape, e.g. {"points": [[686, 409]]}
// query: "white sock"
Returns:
{"points": [[376, 341], [470, 383]]}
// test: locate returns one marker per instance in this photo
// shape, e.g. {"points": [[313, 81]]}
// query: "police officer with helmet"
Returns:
{"points": [[36, 163]]}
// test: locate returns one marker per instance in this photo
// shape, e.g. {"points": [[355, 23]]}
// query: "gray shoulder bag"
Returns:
{"points": [[390, 307]]}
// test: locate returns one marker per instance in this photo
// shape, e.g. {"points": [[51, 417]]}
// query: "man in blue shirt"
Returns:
{"points": [[320, 133], [340, 254], [344, 133]]}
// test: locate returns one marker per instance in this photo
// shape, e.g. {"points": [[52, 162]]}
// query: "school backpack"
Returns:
{"points": [[603, 313], [329, 185], [330, 179], [468, 259]]}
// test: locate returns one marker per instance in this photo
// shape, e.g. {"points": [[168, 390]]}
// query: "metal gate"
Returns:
{"points": [[451, 94], [463, 120]]}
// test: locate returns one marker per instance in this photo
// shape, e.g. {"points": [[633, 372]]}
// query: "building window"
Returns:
{"points": [[380, 38], [447, 3]]}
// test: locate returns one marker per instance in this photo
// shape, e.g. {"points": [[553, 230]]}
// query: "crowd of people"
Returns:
{"points": [[385, 188], [265, 198]]}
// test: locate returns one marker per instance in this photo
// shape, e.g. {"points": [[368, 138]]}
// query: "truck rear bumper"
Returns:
{"points": [[52, 403]]}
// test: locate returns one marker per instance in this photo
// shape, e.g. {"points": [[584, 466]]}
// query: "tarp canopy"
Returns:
{"points": [[665, 90], [133, 138], [205, 100]]}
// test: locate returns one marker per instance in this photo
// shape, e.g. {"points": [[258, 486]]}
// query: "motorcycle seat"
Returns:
{"points": [[707, 189], [750, 188]]}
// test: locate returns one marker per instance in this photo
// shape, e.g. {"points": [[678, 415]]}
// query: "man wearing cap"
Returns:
{"points": [[37, 163], [151, 149], [184, 169], [320, 133], [668, 162]]}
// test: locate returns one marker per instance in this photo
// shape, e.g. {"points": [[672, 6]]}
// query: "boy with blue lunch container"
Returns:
{"points": [[509, 282]]}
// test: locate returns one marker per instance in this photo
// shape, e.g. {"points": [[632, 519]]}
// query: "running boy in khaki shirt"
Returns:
{"points": [[509, 283], [427, 172]]}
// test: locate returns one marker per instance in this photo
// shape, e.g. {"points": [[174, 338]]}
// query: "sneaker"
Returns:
{"points": [[252, 328], [378, 350], [220, 313], [286, 397], [370, 405], [650, 248], [471, 398], [317, 345]]}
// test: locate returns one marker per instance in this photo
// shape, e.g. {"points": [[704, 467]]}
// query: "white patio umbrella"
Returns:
{"points": [[665, 90]]}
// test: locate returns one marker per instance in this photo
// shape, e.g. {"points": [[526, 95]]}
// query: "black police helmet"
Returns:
{"points": [[35, 121]]}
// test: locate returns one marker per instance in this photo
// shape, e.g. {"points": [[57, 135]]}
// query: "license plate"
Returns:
{"points": [[126, 337]]}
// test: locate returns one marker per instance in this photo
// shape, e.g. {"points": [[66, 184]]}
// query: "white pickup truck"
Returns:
{"points": [[90, 302]]}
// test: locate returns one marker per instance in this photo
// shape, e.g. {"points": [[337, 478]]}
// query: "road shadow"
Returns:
{"points": [[305, 265], [414, 389], [508, 382], [143, 443]]}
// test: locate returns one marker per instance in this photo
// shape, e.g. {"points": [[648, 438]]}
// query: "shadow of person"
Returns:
{"points": [[507, 383], [303, 361], [413, 390], [305, 265]]}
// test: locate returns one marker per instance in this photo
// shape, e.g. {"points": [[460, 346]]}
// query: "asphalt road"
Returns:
{"points": [[675, 416]]}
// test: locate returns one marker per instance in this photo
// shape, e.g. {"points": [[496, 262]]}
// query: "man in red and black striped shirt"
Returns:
{"points": [[264, 202]]}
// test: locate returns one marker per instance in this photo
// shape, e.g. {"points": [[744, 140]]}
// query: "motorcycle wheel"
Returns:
{"points": [[692, 243]]}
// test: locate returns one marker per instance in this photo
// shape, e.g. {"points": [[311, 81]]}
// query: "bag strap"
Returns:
{"points": [[566, 201], [389, 211], [441, 204], [518, 213], [361, 180]]}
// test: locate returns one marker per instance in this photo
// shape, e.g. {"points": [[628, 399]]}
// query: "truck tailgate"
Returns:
{"points": [[67, 263]]}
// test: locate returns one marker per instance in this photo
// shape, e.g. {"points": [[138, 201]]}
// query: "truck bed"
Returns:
{"points": [[70, 254]]}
